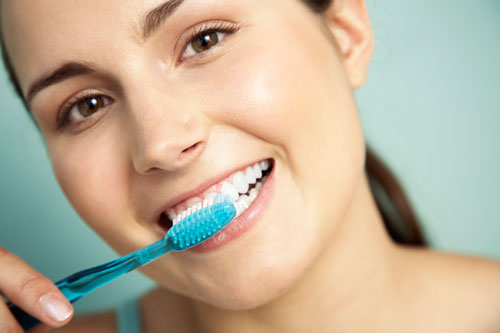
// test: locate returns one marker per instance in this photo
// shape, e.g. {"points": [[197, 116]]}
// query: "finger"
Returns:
{"points": [[32, 292], [7, 321]]}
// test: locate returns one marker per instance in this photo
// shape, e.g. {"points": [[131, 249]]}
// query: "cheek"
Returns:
{"points": [[91, 176], [298, 100], [292, 92]]}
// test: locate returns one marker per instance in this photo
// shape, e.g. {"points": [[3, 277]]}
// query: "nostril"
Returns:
{"points": [[189, 154], [170, 156], [192, 148]]}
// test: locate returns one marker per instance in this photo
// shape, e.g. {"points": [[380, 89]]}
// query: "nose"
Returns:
{"points": [[166, 138]]}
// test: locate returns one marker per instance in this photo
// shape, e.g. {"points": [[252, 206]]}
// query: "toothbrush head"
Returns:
{"points": [[201, 225]]}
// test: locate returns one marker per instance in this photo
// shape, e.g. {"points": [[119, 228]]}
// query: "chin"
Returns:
{"points": [[254, 279], [251, 290]]}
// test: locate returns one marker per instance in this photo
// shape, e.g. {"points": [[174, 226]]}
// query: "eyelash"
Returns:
{"points": [[208, 28], [63, 119], [202, 29]]}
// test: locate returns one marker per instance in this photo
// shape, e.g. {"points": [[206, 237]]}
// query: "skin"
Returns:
{"points": [[319, 259]]}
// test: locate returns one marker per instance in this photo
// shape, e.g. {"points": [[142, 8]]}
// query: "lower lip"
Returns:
{"points": [[244, 222]]}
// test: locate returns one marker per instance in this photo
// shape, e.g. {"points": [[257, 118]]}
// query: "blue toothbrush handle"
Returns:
{"points": [[84, 282], [192, 230]]}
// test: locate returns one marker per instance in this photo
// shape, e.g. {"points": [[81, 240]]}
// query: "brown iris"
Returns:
{"points": [[205, 41], [89, 106]]}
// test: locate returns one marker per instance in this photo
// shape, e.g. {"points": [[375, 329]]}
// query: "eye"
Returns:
{"points": [[202, 43], [206, 37], [83, 107]]}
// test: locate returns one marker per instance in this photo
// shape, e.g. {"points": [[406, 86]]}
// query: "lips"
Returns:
{"points": [[241, 185]]}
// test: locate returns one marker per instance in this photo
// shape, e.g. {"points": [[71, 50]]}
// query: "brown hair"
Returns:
{"points": [[399, 219], [398, 216]]}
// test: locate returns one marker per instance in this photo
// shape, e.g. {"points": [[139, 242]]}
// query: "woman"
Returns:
{"points": [[146, 105]]}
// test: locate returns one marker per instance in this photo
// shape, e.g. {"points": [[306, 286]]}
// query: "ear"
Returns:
{"points": [[349, 22]]}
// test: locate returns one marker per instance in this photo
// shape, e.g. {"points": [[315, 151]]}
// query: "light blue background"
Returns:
{"points": [[431, 107]]}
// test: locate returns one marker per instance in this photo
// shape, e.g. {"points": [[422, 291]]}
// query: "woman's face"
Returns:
{"points": [[170, 117]]}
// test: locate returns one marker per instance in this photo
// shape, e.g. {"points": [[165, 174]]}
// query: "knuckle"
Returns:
{"points": [[31, 283]]}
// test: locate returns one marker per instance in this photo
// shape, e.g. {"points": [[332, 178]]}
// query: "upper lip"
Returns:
{"points": [[200, 188]]}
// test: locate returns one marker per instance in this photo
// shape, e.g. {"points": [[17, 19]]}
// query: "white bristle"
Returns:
{"points": [[211, 196], [241, 202]]}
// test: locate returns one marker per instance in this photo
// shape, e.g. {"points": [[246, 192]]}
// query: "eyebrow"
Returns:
{"points": [[152, 20], [157, 16], [66, 71]]}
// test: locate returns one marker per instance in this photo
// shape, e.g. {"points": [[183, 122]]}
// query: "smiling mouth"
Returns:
{"points": [[242, 187]]}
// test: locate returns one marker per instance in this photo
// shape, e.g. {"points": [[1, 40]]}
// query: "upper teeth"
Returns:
{"points": [[233, 186]]}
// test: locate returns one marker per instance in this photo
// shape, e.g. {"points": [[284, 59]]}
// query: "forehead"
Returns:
{"points": [[41, 33]]}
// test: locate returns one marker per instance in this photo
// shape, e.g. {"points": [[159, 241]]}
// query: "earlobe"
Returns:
{"points": [[349, 22]]}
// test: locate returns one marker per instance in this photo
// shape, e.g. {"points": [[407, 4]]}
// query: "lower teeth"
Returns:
{"points": [[244, 201]]}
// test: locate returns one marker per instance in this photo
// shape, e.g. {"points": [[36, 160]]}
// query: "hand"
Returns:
{"points": [[31, 291]]}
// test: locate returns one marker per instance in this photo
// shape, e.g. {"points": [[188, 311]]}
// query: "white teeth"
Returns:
{"points": [[245, 201], [264, 165], [253, 193], [240, 185], [239, 208], [242, 203], [229, 190], [249, 176], [257, 171], [240, 182]]}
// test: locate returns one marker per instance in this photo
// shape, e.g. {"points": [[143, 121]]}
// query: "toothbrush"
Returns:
{"points": [[191, 231]]}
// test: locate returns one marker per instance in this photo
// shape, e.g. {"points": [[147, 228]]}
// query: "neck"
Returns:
{"points": [[343, 290]]}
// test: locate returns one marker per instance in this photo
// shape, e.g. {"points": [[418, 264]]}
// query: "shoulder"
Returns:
{"points": [[473, 274], [463, 287]]}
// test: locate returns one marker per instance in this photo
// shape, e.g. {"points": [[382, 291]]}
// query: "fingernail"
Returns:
{"points": [[56, 308]]}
